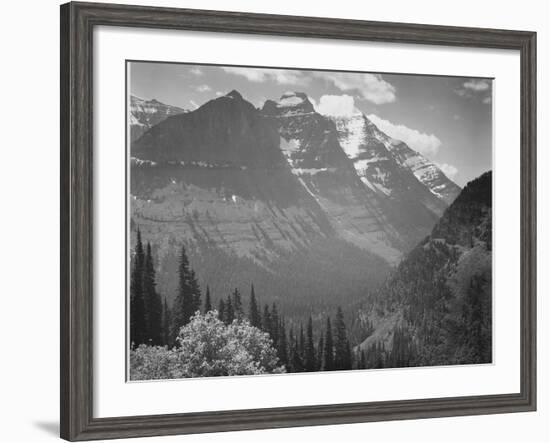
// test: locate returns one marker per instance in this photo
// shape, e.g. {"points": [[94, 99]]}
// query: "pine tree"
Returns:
{"points": [[229, 311], [302, 344], [348, 356], [138, 324], [166, 323], [282, 349], [266, 320], [362, 361], [254, 312], [207, 301], [296, 362], [195, 292], [380, 356], [274, 330], [184, 304], [341, 357], [310, 362], [320, 348], [328, 364], [221, 310], [152, 301], [237, 305]]}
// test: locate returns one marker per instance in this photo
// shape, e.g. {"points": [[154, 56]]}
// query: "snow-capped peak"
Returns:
{"points": [[290, 103], [292, 99]]}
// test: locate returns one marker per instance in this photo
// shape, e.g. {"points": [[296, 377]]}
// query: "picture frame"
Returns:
{"points": [[78, 21]]}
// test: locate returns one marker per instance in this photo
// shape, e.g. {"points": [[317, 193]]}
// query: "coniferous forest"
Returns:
{"points": [[159, 333]]}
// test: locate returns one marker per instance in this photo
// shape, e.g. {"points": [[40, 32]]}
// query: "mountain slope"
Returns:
{"points": [[144, 114], [391, 168], [216, 180], [436, 307]]}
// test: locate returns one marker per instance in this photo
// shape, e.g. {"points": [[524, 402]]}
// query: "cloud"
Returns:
{"points": [[336, 105], [280, 76], [219, 93], [371, 87], [476, 89], [194, 104], [203, 88], [196, 71], [426, 144], [449, 170], [477, 85]]}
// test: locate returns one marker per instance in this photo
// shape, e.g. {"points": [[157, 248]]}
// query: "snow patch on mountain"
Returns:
{"points": [[351, 134], [290, 99], [311, 171], [289, 146]]}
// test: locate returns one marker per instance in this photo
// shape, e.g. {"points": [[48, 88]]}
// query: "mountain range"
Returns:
{"points": [[144, 114], [311, 209]]}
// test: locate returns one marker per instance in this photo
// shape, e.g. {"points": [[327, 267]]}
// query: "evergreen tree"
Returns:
{"points": [[221, 310], [237, 305], [195, 291], [310, 362], [320, 348], [138, 325], [302, 344], [266, 320], [254, 314], [184, 304], [348, 356], [229, 311], [152, 301], [380, 356], [166, 323], [282, 349], [296, 362], [341, 358], [207, 301], [274, 331], [328, 364]]}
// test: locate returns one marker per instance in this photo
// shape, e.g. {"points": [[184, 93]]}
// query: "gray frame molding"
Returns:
{"points": [[77, 23]]}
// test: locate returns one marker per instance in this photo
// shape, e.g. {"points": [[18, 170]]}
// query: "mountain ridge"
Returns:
{"points": [[435, 308], [144, 114]]}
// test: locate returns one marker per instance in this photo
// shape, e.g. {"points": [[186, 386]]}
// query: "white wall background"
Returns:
{"points": [[29, 188]]}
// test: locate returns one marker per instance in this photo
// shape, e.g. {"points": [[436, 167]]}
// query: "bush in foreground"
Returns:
{"points": [[207, 348]]}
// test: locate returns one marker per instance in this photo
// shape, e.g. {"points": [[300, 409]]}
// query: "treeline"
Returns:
{"points": [[299, 348]]}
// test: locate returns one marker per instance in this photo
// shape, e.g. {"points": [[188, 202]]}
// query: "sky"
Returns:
{"points": [[447, 119]]}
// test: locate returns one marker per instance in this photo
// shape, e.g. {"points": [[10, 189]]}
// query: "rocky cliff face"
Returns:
{"points": [[390, 168], [144, 114]]}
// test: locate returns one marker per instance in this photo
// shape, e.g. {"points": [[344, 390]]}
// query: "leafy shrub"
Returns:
{"points": [[207, 348]]}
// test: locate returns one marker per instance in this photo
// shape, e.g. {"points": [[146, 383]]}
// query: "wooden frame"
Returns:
{"points": [[77, 23]]}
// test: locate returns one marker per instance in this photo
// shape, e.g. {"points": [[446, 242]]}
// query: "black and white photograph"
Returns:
{"points": [[287, 220]]}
